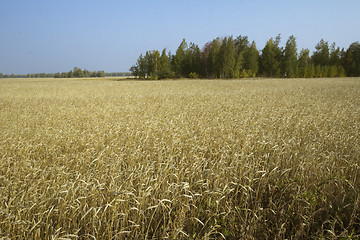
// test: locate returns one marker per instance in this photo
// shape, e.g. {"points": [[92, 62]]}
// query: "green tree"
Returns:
{"points": [[212, 65], [304, 63], [351, 60], [311, 72], [251, 60], [78, 73], [70, 74], [332, 71], [340, 71], [187, 63], [324, 71], [290, 58], [205, 58], [321, 55], [242, 48], [194, 60], [134, 71], [153, 64], [148, 64], [1, 75], [100, 74], [335, 61], [141, 64], [226, 58], [86, 73], [139, 69], [270, 58], [335, 55], [318, 71], [241, 44], [165, 66], [179, 59]]}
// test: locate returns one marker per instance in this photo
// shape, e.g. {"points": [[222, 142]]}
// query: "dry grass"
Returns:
{"points": [[248, 159]]}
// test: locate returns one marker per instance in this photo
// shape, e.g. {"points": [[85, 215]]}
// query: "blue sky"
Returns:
{"points": [[57, 35]]}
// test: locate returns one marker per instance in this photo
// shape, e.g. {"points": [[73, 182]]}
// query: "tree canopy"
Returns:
{"points": [[231, 57]]}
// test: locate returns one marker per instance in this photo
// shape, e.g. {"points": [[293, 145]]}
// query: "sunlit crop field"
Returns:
{"points": [[185, 159]]}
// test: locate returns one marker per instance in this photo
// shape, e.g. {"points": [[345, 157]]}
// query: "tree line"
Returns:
{"points": [[231, 57], [75, 73], [79, 73]]}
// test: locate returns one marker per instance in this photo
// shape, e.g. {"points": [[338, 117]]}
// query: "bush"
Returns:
{"points": [[194, 75], [244, 74]]}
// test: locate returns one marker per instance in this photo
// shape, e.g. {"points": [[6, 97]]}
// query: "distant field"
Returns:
{"points": [[198, 159]]}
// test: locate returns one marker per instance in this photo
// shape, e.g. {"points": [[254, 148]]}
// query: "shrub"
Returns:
{"points": [[194, 75]]}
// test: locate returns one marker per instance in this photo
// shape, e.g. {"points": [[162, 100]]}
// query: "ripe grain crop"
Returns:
{"points": [[201, 159]]}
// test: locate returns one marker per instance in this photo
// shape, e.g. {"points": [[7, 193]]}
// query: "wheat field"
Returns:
{"points": [[184, 159]]}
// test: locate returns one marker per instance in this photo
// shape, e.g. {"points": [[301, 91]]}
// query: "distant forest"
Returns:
{"points": [[75, 73], [231, 57]]}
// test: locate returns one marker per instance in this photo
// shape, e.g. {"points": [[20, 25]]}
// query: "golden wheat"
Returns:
{"points": [[204, 159]]}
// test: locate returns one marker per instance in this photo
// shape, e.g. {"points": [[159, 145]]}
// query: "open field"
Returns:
{"points": [[200, 159]]}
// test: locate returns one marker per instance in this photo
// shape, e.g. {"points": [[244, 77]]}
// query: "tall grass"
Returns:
{"points": [[257, 159]]}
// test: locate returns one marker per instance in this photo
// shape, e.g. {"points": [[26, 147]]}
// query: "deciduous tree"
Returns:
{"points": [[290, 58], [270, 58], [251, 60], [212, 63], [321, 55], [352, 60], [164, 66], [227, 58], [179, 59], [304, 63], [78, 73]]}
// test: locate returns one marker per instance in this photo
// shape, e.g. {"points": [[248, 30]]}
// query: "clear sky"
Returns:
{"points": [[57, 35]]}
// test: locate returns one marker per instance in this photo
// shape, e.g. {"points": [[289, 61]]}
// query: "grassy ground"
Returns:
{"points": [[200, 159]]}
